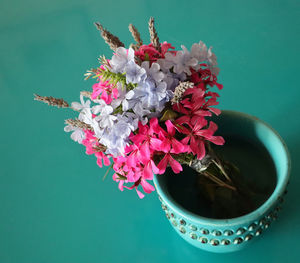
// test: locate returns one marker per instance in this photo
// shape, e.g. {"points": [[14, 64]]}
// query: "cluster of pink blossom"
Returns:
{"points": [[148, 52], [92, 144], [104, 90]]}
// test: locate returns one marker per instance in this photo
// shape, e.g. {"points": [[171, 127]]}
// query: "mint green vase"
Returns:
{"points": [[232, 234]]}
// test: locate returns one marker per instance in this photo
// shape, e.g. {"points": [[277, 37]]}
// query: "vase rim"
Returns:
{"points": [[278, 191]]}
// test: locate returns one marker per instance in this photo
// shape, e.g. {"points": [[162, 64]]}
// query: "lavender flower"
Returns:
{"points": [[121, 96], [121, 58], [147, 97], [153, 73], [116, 138], [173, 79], [134, 73]]}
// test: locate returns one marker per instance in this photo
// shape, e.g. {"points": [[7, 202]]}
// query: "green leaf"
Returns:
{"points": [[168, 115], [121, 177], [147, 58]]}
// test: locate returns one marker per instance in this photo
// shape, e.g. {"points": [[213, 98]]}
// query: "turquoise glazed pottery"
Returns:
{"points": [[232, 234]]}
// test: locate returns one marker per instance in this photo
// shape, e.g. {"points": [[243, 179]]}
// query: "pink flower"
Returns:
{"points": [[201, 101], [196, 136], [149, 53], [102, 157], [136, 175], [168, 159], [141, 151], [148, 188], [149, 169], [146, 137], [91, 142], [134, 155], [195, 105], [165, 48], [105, 90], [136, 166], [169, 143], [205, 76]]}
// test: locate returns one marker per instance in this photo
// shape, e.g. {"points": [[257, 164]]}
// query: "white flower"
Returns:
{"points": [[121, 58], [163, 96], [184, 60], [212, 62], [87, 118], [153, 73], [202, 54], [199, 51], [100, 105], [181, 62], [77, 134], [211, 57], [82, 105], [105, 118]]}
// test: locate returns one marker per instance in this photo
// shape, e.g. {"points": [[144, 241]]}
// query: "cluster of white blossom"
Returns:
{"points": [[153, 87], [177, 67]]}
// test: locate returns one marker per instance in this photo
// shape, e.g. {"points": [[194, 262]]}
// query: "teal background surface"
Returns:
{"points": [[54, 206]]}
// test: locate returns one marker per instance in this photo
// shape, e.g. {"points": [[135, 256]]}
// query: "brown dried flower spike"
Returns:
{"points": [[60, 103], [136, 36], [153, 35], [79, 124], [86, 94], [113, 41]]}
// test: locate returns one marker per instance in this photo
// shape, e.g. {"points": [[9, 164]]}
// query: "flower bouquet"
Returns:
{"points": [[150, 108]]}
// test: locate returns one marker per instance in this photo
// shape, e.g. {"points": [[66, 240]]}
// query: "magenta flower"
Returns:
{"points": [[168, 159], [165, 48], [102, 157], [195, 105], [205, 76], [91, 143], [149, 169], [125, 174], [147, 137], [145, 143], [149, 53], [197, 134], [136, 166], [148, 188], [169, 143], [105, 91]]}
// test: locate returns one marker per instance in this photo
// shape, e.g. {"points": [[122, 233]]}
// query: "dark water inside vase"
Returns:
{"points": [[256, 167]]}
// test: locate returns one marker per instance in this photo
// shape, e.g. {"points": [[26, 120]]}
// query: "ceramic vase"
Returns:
{"points": [[232, 234]]}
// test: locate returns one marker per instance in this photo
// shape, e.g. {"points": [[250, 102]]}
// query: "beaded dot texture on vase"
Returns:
{"points": [[221, 237]]}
